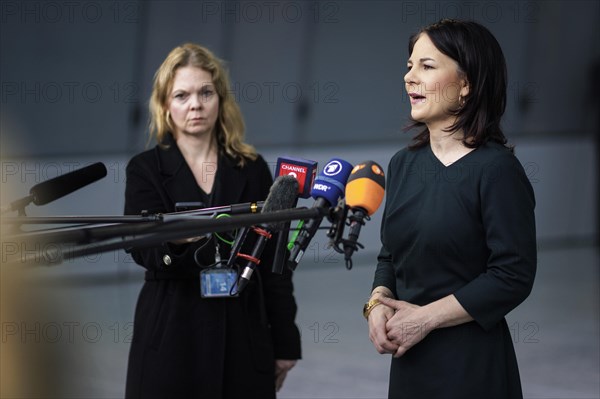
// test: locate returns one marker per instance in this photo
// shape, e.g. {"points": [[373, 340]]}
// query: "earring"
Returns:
{"points": [[461, 101]]}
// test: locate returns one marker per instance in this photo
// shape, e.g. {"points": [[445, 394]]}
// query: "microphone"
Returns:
{"points": [[304, 171], [60, 186], [327, 191], [50, 190], [282, 195], [364, 194]]}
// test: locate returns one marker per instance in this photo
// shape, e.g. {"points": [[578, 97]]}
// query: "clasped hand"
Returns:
{"points": [[396, 326]]}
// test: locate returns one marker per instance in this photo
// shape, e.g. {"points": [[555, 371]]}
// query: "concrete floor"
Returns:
{"points": [[556, 332], [86, 326]]}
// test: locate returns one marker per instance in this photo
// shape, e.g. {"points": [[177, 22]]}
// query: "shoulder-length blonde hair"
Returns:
{"points": [[230, 123]]}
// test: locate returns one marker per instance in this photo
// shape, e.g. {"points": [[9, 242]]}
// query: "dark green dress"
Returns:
{"points": [[467, 229]]}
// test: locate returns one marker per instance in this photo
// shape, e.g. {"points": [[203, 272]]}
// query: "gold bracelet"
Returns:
{"points": [[369, 306]]}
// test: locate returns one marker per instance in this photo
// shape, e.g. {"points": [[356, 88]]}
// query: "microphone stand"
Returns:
{"points": [[18, 220], [143, 231]]}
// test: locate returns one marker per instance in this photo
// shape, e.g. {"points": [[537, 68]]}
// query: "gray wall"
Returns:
{"points": [[314, 79], [76, 79]]}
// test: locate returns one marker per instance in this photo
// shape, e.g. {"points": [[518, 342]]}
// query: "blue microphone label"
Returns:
{"points": [[332, 168]]}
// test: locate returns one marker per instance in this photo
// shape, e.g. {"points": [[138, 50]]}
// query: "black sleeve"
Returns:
{"points": [[142, 193], [507, 208], [384, 273]]}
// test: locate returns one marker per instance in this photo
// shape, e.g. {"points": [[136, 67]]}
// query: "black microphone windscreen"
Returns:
{"points": [[282, 194], [62, 185]]}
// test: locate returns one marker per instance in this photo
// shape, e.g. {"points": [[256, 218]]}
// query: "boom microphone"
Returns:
{"points": [[364, 193], [58, 187], [282, 195], [327, 191]]}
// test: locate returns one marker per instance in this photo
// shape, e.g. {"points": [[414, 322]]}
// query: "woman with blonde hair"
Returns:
{"points": [[187, 341]]}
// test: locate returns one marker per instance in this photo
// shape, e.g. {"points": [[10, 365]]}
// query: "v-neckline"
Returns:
{"points": [[432, 154]]}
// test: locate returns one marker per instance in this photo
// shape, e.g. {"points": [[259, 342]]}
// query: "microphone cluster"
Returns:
{"points": [[328, 190], [344, 194], [347, 195], [355, 193]]}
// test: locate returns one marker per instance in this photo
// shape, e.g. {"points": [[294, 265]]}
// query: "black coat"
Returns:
{"points": [[187, 346]]}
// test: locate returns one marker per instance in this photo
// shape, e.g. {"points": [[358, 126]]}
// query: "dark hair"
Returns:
{"points": [[481, 60]]}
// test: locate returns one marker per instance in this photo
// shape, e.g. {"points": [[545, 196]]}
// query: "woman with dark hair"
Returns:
{"points": [[458, 231], [187, 342]]}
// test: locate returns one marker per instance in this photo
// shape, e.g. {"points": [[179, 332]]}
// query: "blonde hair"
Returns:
{"points": [[230, 123]]}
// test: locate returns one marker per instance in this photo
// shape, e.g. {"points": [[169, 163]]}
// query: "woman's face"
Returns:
{"points": [[193, 102], [434, 84]]}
